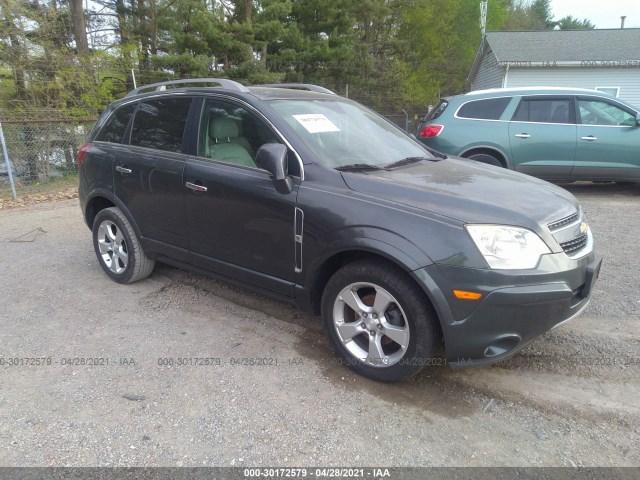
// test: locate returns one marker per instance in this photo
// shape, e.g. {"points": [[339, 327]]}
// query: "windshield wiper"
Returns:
{"points": [[405, 161], [435, 153], [358, 167]]}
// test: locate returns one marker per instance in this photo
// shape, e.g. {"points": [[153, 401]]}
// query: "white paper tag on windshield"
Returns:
{"points": [[316, 123]]}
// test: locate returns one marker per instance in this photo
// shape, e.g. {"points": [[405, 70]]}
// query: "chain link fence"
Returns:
{"points": [[404, 120], [384, 101], [42, 153]]}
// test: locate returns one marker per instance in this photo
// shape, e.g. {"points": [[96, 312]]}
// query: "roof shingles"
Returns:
{"points": [[566, 45]]}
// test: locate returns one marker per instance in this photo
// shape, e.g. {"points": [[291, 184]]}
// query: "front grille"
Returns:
{"points": [[563, 222], [575, 245]]}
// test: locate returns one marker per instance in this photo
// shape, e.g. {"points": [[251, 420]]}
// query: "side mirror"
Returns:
{"points": [[272, 157], [638, 119]]}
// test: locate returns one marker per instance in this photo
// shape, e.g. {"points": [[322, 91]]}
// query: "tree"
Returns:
{"points": [[571, 23], [391, 53], [79, 26], [442, 38], [13, 48], [541, 12], [526, 15]]}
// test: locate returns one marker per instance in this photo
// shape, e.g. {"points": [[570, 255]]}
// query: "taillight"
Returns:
{"points": [[82, 152], [431, 131]]}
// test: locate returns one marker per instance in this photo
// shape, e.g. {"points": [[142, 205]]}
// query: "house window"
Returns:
{"points": [[613, 91]]}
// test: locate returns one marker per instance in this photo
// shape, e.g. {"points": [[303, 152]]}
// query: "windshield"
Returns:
{"points": [[344, 133]]}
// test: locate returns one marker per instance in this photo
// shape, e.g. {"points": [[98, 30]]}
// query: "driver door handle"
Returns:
{"points": [[122, 169], [590, 138], [196, 187], [523, 135]]}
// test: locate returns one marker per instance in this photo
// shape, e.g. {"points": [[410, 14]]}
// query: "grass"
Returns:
{"points": [[42, 187]]}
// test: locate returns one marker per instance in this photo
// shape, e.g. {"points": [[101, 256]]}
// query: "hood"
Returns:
{"points": [[469, 191]]}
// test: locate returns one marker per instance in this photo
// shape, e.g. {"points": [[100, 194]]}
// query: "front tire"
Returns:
{"points": [[486, 158], [379, 321], [118, 249]]}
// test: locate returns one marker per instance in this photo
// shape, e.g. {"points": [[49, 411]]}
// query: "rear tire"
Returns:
{"points": [[486, 158], [379, 321], [118, 249]]}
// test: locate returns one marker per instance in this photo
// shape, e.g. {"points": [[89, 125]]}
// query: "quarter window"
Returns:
{"points": [[596, 112], [159, 123], [489, 109], [543, 111], [113, 131], [436, 111]]}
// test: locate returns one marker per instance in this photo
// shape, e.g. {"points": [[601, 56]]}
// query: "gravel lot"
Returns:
{"points": [[570, 399]]}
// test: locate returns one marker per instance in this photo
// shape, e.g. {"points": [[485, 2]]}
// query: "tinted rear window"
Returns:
{"points": [[436, 111], [114, 129], [489, 109], [543, 111], [159, 123]]}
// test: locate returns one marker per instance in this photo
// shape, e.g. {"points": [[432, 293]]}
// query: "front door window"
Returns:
{"points": [[231, 134], [599, 112]]}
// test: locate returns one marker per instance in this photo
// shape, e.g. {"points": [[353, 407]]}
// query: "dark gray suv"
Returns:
{"points": [[313, 199]]}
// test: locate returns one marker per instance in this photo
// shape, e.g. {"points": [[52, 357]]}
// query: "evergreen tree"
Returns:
{"points": [[571, 23]]}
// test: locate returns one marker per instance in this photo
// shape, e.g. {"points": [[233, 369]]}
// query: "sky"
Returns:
{"points": [[603, 14]]}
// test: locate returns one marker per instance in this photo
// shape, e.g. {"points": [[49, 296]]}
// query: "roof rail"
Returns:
{"points": [[222, 82], [299, 86]]}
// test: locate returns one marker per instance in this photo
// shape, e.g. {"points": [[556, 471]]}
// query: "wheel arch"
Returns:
{"points": [[331, 264], [101, 199], [490, 150], [321, 270]]}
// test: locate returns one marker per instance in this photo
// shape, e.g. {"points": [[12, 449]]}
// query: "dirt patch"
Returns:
{"points": [[39, 197]]}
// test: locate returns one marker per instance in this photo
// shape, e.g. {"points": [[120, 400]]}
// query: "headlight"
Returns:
{"points": [[508, 248]]}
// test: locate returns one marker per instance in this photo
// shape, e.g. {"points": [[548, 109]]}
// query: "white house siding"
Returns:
{"points": [[489, 74], [628, 80]]}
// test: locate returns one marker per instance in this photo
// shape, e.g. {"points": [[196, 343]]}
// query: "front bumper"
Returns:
{"points": [[516, 307]]}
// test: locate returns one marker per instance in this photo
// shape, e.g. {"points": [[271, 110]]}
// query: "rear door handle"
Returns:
{"points": [[123, 169], [590, 138], [195, 187], [523, 135]]}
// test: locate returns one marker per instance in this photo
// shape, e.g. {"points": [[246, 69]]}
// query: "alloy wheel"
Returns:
{"points": [[371, 324], [113, 247]]}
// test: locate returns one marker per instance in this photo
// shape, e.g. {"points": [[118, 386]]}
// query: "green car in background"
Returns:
{"points": [[552, 133]]}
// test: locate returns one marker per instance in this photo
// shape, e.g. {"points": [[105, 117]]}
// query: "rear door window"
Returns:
{"points": [[544, 110], [113, 131], [159, 123], [488, 109]]}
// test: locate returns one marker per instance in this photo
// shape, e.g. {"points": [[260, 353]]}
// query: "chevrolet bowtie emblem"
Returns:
{"points": [[584, 227]]}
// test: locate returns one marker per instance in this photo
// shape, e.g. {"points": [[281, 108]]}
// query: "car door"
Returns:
{"points": [[608, 140], [239, 225], [148, 176], [542, 135], [108, 146]]}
